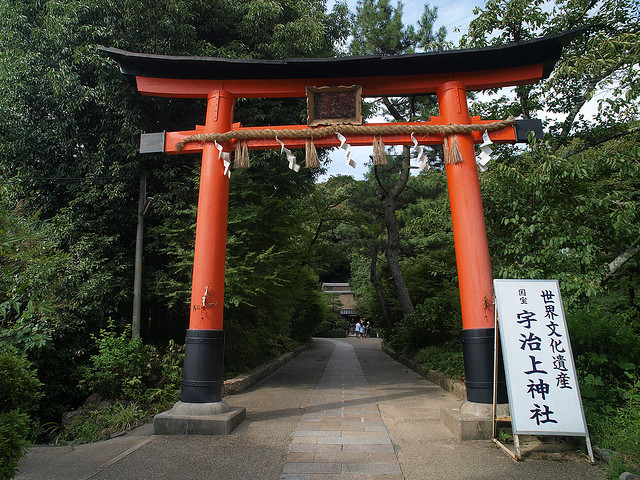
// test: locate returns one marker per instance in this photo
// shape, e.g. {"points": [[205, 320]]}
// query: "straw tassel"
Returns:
{"points": [[311, 155], [445, 148], [456, 156], [452, 153], [242, 155], [379, 155], [238, 153]]}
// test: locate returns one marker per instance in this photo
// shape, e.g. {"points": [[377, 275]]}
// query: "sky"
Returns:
{"points": [[453, 15]]}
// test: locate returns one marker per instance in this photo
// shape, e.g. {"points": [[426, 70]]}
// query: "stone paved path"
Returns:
{"points": [[352, 414], [342, 434]]}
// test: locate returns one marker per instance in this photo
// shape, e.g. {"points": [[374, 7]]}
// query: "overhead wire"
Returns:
{"points": [[66, 179]]}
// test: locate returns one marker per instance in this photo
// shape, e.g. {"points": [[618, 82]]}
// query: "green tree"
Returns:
{"points": [[602, 60], [569, 178], [37, 292], [19, 396], [69, 127], [426, 254], [567, 207], [378, 29], [369, 242]]}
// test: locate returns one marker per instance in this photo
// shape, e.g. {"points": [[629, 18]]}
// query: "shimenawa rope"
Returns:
{"points": [[452, 153]]}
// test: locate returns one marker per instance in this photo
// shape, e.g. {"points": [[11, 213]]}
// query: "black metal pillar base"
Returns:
{"points": [[477, 349], [202, 379]]}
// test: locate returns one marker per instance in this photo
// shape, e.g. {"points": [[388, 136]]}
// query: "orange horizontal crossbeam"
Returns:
{"points": [[371, 86], [505, 135]]}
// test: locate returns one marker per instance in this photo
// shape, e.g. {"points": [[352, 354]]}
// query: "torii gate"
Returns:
{"points": [[449, 74]]}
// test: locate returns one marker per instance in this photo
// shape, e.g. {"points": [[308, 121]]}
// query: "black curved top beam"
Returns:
{"points": [[545, 50]]}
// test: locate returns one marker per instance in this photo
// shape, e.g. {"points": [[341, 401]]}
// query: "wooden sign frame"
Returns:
{"points": [[313, 98], [565, 394]]}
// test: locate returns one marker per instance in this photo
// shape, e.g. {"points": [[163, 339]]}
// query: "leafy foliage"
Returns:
{"points": [[567, 207], [378, 29], [102, 424], [19, 397], [446, 358], [14, 434], [142, 379], [124, 368], [571, 214], [426, 249], [436, 321], [606, 344], [121, 368], [69, 126], [38, 296]]}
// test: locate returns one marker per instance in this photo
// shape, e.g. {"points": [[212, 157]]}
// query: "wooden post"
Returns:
{"points": [[137, 276]]}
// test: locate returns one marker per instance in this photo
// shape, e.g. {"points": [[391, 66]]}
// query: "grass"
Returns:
{"points": [[102, 424], [444, 358], [616, 429], [620, 432]]}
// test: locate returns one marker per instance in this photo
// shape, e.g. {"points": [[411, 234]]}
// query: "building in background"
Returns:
{"points": [[342, 300]]}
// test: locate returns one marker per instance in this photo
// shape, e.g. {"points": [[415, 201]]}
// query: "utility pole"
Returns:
{"points": [[143, 205]]}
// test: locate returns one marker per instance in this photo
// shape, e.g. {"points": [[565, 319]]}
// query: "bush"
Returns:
{"points": [[310, 311], [436, 321], [144, 380], [19, 395], [606, 346], [123, 368], [605, 329], [168, 388], [255, 336], [336, 328], [444, 358], [102, 424]]}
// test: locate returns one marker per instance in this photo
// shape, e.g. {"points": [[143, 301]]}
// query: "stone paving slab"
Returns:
{"points": [[354, 441], [343, 476], [368, 449], [317, 433], [297, 448], [342, 414]]}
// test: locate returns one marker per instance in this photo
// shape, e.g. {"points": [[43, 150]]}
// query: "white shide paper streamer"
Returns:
{"points": [[290, 156], [485, 152], [347, 150], [421, 156], [226, 159]]}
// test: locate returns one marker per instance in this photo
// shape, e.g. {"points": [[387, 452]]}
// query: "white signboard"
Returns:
{"points": [[544, 396]]}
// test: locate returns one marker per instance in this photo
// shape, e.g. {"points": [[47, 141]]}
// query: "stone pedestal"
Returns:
{"points": [[215, 418], [472, 421]]}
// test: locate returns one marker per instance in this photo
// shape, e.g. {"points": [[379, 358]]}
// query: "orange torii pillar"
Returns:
{"points": [[472, 253], [204, 348], [201, 410]]}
